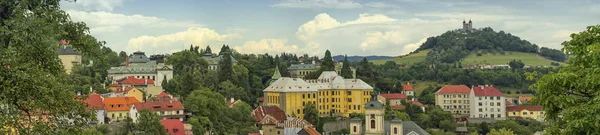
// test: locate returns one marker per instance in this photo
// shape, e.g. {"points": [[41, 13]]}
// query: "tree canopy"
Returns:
{"points": [[149, 123]]}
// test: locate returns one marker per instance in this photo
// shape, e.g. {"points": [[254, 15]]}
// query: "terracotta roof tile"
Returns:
{"points": [[394, 96], [119, 103], [312, 131], [170, 105], [174, 127], [260, 112], [417, 103], [133, 80], [521, 108], [454, 89], [525, 98], [408, 87], [94, 102], [487, 91]]}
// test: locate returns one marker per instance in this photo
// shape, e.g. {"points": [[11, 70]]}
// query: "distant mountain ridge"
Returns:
{"points": [[358, 58]]}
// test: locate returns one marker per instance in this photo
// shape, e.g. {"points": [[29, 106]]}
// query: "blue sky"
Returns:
{"points": [[353, 27]]}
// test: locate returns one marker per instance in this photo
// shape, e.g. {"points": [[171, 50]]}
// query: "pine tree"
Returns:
{"points": [[346, 71], [225, 71], [207, 50], [327, 63]]}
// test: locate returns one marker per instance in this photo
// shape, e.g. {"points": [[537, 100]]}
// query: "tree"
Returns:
{"points": [[122, 55], [502, 131], [346, 72], [187, 61], [225, 70], [311, 114], [484, 128], [398, 87], [230, 90], [514, 64], [32, 79], [207, 50], [571, 92], [327, 63], [149, 123]]}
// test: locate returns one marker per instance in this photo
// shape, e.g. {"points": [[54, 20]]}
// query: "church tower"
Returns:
{"points": [[374, 113], [396, 126], [276, 75], [355, 126]]}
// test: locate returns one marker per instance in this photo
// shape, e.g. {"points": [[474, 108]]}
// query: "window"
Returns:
{"points": [[298, 111], [531, 113], [524, 113], [278, 132], [454, 101], [498, 103], [480, 110], [175, 130], [484, 97], [499, 115], [497, 98], [395, 130], [348, 93], [372, 124], [514, 113], [492, 115], [302, 96], [354, 129], [314, 95], [349, 99], [459, 101], [479, 98], [480, 104]]}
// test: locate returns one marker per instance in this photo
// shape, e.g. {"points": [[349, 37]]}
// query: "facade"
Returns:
{"points": [[393, 98], [213, 61], [454, 99], [408, 90], [118, 108], [524, 99], [68, 57], [126, 92], [532, 112], [331, 93], [487, 102], [139, 66], [375, 123]]}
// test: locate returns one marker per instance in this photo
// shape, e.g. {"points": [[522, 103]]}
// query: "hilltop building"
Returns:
{"points": [[213, 61], [376, 125], [138, 65], [331, 93], [468, 25], [68, 56], [487, 102]]}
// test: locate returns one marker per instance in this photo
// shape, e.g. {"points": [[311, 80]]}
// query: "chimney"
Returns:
{"points": [[78, 93], [91, 91], [413, 99], [231, 101], [122, 87], [146, 81], [481, 86], [127, 61]]}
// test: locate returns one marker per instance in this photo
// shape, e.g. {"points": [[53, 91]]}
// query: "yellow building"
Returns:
{"points": [[132, 92], [68, 57], [118, 108], [332, 94], [532, 112]]}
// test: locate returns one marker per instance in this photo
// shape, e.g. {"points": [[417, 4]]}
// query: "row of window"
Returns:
{"points": [[491, 116], [525, 113], [491, 98], [491, 104], [491, 109], [273, 99], [456, 107], [456, 96], [456, 101], [145, 77], [313, 95], [461, 112]]}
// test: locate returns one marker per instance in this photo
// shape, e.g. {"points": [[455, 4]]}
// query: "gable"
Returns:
{"points": [[165, 68], [412, 133]]}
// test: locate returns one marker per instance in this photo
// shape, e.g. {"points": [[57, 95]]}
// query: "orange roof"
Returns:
{"points": [[525, 98], [521, 108], [261, 111], [133, 80], [312, 131], [417, 103], [119, 103], [408, 87], [94, 102], [160, 105], [393, 96], [127, 89], [486, 91], [454, 89], [163, 96]]}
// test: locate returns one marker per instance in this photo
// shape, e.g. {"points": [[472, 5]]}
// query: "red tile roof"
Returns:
{"points": [[417, 103], [260, 112], [408, 87], [163, 96], [133, 80], [521, 108], [454, 89], [487, 91], [94, 102], [119, 103], [174, 127], [311, 131], [170, 105], [393, 96]]}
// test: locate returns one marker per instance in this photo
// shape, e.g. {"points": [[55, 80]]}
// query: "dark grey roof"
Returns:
{"points": [[374, 105], [138, 57], [407, 127], [302, 67], [355, 119], [214, 60], [68, 50]]}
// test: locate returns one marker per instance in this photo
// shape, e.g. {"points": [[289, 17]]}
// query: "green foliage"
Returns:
{"points": [[341, 132], [149, 123], [229, 90], [327, 63], [428, 95], [102, 128], [502, 131], [346, 72], [311, 114], [572, 92], [483, 128], [437, 118], [225, 71], [187, 61], [513, 126], [514, 64]]}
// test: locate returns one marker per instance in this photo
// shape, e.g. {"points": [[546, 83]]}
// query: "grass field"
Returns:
{"points": [[530, 59], [420, 86], [406, 59]]}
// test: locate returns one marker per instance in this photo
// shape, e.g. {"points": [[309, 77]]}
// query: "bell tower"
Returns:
{"points": [[374, 113]]}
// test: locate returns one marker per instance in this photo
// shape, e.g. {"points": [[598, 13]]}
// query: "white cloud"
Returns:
{"points": [[412, 47], [196, 36], [94, 5], [381, 40], [100, 22], [271, 46], [338, 4], [472, 16]]}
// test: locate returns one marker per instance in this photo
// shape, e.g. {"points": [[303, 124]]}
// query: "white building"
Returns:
{"points": [[487, 102], [138, 65]]}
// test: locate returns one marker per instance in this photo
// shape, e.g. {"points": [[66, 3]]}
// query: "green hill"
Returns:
{"points": [[530, 59], [406, 59]]}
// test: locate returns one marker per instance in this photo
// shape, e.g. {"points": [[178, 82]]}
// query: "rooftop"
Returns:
{"points": [[173, 126], [135, 81], [119, 103], [486, 91], [408, 87], [171, 105], [67, 50], [260, 112], [454, 89], [393, 96], [286, 84], [302, 67], [94, 102], [521, 108]]}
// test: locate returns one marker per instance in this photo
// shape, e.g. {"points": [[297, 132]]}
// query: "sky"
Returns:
{"points": [[352, 27]]}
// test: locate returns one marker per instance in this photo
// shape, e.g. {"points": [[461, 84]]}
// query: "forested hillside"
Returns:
{"points": [[453, 46]]}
